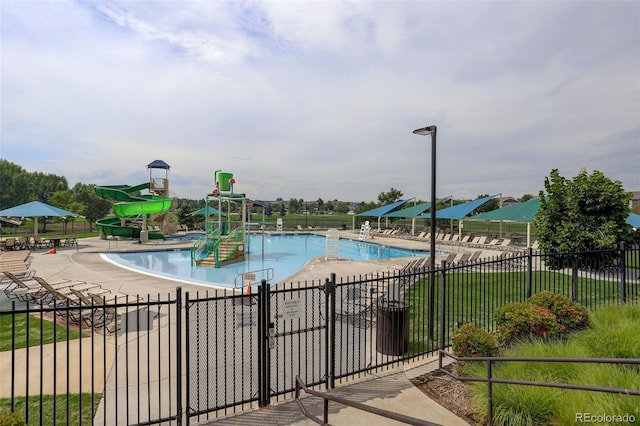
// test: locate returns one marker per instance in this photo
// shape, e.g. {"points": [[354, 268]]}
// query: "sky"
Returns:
{"points": [[319, 99]]}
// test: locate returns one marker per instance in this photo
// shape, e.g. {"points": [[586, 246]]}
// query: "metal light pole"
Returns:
{"points": [[425, 131]]}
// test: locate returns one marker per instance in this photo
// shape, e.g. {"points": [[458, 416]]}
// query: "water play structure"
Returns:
{"points": [[133, 209], [225, 235]]}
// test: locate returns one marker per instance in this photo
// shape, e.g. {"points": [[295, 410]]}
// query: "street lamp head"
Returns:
{"points": [[425, 131]]}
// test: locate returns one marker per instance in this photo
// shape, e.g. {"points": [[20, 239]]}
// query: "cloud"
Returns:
{"points": [[318, 99]]}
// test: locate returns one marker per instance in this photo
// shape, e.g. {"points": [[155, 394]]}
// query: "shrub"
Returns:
{"points": [[569, 315], [518, 320], [10, 418], [472, 341]]}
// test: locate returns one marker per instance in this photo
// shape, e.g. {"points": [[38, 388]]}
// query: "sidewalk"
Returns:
{"points": [[391, 391]]}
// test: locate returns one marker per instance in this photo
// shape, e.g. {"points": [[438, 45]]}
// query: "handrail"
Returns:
{"points": [[490, 380], [373, 410]]}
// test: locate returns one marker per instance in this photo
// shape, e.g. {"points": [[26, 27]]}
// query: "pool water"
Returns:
{"points": [[285, 254]]}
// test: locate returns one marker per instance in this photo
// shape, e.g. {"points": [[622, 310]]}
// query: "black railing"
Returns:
{"points": [[244, 351], [490, 379], [326, 397]]}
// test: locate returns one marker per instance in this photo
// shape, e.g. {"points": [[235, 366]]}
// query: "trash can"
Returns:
{"points": [[392, 333]]}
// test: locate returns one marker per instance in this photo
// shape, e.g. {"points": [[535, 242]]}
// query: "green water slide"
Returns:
{"points": [[129, 205]]}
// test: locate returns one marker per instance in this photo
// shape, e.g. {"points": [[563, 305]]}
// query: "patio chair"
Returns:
{"points": [[70, 241], [354, 306], [10, 244], [39, 242]]}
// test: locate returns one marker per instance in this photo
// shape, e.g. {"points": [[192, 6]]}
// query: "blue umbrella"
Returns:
{"points": [[35, 209]]}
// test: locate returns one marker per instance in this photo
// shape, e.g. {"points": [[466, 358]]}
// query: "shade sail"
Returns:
{"points": [[35, 209], [461, 210], [414, 211], [521, 212], [634, 220], [381, 211], [203, 211]]}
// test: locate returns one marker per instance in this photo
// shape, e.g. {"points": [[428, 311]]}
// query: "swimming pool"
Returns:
{"points": [[285, 254]]}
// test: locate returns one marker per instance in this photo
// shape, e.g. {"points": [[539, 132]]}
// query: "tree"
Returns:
{"points": [[389, 197], [184, 215], [525, 198], [578, 217], [95, 207], [490, 205]]}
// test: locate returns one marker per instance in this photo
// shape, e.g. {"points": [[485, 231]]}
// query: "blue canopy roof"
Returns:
{"points": [[521, 212], [459, 211], [35, 209], [414, 211], [158, 164], [381, 211]]}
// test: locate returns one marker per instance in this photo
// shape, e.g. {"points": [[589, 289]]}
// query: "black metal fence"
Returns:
{"points": [[192, 357]]}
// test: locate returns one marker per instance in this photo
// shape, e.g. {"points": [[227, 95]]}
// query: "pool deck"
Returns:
{"points": [[392, 390]]}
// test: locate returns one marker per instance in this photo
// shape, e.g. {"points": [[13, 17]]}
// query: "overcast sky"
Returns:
{"points": [[319, 99]]}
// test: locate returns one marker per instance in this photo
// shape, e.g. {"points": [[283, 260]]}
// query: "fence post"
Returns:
{"points": [[264, 372], [178, 356], [529, 271], [330, 335], [623, 273], [489, 394], [443, 273]]}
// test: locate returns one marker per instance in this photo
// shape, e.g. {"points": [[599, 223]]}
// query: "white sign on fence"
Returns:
{"points": [[291, 309]]}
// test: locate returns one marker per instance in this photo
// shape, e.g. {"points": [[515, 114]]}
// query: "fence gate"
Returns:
{"points": [[244, 349]]}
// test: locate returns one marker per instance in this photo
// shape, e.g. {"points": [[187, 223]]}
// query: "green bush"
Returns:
{"points": [[519, 320], [472, 341], [10, 418], [569, 315]]}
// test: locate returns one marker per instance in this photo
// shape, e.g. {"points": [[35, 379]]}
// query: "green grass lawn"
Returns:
{"points": [[473, 298], [26, 330], [15, 327], [79, 407]]}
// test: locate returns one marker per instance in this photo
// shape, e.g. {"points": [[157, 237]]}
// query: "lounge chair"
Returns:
{"points": [[506, 242], [100, 315], [475, 256], [23, 290], [450, 258]]}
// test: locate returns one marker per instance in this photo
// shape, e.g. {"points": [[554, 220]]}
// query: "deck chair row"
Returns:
{"points": [[78, 301]]}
